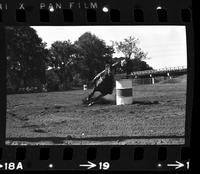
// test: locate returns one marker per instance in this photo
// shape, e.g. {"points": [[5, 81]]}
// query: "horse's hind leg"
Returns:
{"points": [[91, 94]]}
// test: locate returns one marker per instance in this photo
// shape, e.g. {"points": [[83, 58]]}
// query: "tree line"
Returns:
{"points": [[65, 65]]}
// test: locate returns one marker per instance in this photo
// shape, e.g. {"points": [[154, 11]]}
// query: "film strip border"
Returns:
{"points": [[122, 13], [105, 158], [95, 12]]}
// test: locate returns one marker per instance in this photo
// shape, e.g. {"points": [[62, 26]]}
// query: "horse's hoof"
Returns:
{"points": [[90, 104]]}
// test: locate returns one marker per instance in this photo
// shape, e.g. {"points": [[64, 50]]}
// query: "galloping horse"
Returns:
{"points": [[103, 82]]}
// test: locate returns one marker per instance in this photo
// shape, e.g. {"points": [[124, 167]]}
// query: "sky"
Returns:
{"points": [[166, 45]]}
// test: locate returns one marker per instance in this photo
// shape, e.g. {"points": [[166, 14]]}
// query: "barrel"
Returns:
{"points": [[124, 92]]}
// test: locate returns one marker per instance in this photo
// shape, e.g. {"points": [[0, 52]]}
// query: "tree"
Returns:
{"points": [[93, 54], [127, 47], [131, 52], [130, 49], [26, 56], [133, 65], [61, 59]]}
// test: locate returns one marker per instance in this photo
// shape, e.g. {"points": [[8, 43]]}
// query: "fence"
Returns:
{"points": [[160, 71]]}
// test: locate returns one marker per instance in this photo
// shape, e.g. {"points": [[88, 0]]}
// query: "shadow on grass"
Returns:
{"points": [[104, 101], [101, 101], [145, 102], [60, 140]]}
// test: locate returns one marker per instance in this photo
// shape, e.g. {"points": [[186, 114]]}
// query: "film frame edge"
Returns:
{"points": [[189, 88]]}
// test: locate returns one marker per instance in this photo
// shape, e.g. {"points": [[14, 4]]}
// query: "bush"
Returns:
{"points": [[35, 85], [52, 80], [77, 81]]}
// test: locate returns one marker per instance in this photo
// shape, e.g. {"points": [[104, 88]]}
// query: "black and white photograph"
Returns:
{"points": [[96, 85]]}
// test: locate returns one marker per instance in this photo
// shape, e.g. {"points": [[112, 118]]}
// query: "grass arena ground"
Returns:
{"points": [[157, 116]]}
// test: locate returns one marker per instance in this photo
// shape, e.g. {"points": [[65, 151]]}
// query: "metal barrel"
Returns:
{"points": [[124, 91]]}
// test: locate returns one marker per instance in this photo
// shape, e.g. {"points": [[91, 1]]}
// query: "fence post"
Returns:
{"points": [[152, 79], [169, 75]]}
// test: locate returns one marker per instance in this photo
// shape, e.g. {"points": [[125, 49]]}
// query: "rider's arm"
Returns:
{"points": [[101, 73], [98, 76]]}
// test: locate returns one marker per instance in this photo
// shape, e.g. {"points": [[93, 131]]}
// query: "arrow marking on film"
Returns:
{"points": [[89, 165], [1, 166], [177, 165]]}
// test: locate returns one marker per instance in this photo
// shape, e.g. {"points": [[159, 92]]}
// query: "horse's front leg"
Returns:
{"points": [[95, 100]]}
